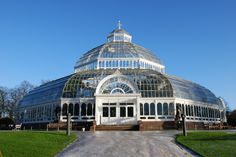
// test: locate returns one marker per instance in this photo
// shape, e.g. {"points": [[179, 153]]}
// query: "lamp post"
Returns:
{"points": [[68, 124]]}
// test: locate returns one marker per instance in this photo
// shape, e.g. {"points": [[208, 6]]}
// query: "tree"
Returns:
{"points": [[232, 118], [3, 100], [15, 96]]}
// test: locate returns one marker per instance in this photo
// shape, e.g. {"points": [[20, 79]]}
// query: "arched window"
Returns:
{"points": [[188, 113], [116, 85], [152, 109], [83, 109], [159, 109], [71, 109], [89, 109], [195, 111], [77, 109], [186, 110], [64, 110], [146, 109], [182, 109], [165, 109], [191, 110], [171, 109]]}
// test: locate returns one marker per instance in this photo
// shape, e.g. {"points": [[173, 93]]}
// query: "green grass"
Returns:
{"points": [[33, 144], [210, 144]]}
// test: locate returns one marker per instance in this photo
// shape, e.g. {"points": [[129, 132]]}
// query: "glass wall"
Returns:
{"points": [[154, 111]]}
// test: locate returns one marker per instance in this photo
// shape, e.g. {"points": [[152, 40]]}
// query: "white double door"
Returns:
{"points": [[118, 113]]}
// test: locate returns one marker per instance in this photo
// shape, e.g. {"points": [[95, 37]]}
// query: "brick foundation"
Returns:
{"points": [[156, 125]]}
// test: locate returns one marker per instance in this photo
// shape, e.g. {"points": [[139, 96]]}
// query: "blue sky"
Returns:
{"points": [[195, 40]]}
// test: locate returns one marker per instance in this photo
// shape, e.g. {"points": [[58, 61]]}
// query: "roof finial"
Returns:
{"points": [[119, 25]]}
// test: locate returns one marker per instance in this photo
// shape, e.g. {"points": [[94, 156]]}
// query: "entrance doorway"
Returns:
{"points": [[118, 113]]}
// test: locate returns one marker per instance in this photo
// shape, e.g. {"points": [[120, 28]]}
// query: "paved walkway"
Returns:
{"points": [[125, 144]]}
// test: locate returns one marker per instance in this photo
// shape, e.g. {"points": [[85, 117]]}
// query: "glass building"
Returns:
{"points": [[118, 83]]}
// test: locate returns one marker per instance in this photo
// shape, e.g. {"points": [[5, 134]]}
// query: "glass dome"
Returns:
{"points": [[119, 53]]}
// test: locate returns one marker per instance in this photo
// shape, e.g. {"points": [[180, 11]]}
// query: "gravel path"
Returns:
{"points": [[125, 144]]}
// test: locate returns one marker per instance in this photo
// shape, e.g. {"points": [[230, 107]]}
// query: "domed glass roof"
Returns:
{"points": [[119, 53], [117, 50]]}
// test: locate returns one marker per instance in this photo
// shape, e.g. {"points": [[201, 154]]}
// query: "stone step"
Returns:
{"points": [[116, 127]]}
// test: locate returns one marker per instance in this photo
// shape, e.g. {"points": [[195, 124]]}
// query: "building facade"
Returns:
{"points": [[118, 83]]}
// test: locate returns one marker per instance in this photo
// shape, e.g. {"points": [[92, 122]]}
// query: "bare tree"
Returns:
{"points": [[3, 100], [15, 96]]}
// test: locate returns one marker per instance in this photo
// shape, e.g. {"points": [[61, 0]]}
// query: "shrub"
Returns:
{"points": [[5, 122]]}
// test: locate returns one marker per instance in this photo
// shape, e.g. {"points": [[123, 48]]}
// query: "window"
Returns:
{"points": [[171, 109], [141, 109], [90, 109], [71, 109], [76, 109], [191, 111], [107, 64], [165, 109], [159, 109], [116, 63], [112, 111], [83, 109], [64, 110], [187, 110], [113, 63], [130, 111], [152, 109], [105, 111], [146, 109], [122, 112]]}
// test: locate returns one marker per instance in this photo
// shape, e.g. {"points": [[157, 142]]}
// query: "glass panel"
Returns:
{"points": [[83, 109], [64, 110], [71, 109], [122, 112], [152, 108], [141, 109], [146, 109], [186, 110], [165, 109], [159, 109], [130, 111], [105, 111], [112, 111], [191, 111], [76, 109], [171, 109], [89, 110]]}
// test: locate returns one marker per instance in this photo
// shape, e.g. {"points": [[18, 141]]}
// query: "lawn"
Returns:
{"points": [[33, 144], [210, 144]]}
